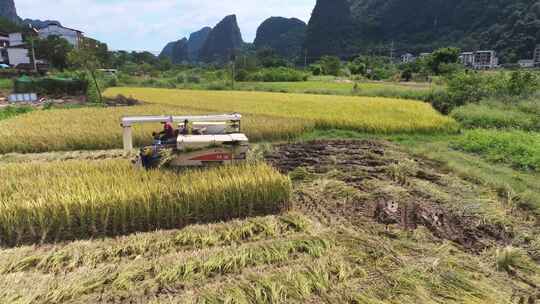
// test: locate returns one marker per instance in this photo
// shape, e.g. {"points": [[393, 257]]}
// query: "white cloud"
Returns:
{"points": [[149, 24]]}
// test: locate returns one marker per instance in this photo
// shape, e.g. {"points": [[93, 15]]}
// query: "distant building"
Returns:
{"points": [[423, 55], [485, 60], [74, 37], [17, 51], [16, 39], [18, 55], [4, 40], [526, 63], [4, 43], [467, 59], [407, 58], [536, 56]]}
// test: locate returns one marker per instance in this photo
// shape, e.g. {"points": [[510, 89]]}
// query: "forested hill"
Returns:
{"points": [[343, 27], [8, 11]]}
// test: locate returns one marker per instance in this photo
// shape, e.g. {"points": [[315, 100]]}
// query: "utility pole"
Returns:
{"points": [[233, 67], [33, 31], [392, 52], [34, 55], [305, 58]]}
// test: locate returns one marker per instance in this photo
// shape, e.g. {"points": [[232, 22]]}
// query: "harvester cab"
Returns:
{"points": [[190, 141]]}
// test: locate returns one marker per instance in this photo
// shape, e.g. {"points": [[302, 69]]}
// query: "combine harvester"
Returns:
{"points": [[199, 141]]}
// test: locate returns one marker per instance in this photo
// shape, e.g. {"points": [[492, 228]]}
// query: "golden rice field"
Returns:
{"points": [[267, 116], [99, 128], [43, 202], [371, 114]]}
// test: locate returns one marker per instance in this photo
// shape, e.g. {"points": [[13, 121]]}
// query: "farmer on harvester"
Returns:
{"points": [[168, 134]]}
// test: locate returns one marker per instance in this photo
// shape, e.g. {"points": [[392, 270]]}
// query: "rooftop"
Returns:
{"points": [[61, 26]]}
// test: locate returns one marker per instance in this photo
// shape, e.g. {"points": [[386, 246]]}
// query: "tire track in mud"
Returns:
{"points": [[386, 175]]}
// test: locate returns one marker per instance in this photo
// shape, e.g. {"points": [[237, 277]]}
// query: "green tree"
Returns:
{"points": [[358, 67], [331, 65], [441, 57], [268, 58], [164, 64], [86, 58], [55, 50]]}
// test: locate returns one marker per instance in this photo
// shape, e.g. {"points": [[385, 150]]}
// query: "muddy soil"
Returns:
{"points": [[393, 189]]}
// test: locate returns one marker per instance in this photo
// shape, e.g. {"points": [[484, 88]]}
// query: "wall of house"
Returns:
{"points": [[4, 42], [73, 37], [15, 39], [18, 56]]}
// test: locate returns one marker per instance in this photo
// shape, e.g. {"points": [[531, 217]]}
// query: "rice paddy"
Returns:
{"points": [[267, 116], [370, 114], [45, 202], [97, 230], [99, 128]]}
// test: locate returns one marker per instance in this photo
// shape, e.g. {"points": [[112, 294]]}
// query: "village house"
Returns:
{"points": [[485, 60], [407, 58], [536, 56], [74, 37], [467, 59], [526, 63], [17, 51], [4, 43]]}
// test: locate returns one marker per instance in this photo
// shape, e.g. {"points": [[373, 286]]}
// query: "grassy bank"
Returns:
{"points": [[524, 115], [516, 148]]}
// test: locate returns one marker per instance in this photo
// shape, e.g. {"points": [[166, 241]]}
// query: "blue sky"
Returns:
{"points": [[149, 24]]}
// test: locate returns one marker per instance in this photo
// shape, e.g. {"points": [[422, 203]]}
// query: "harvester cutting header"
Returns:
{"points": [[196, 141]]}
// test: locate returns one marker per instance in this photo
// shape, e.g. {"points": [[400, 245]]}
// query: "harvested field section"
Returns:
{"points": [[72, 256], [71, 200], [371, 224], [370, 114], [382, 183], [153, 276]]}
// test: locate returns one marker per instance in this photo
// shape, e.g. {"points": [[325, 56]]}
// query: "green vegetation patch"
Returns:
{"points": [[6, 84], [494, 114], [10, 111], [517, 148]]}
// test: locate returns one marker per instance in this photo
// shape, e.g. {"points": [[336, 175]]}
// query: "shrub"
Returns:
{"points": [[316, 69], [193, 78], [519, 83], [280, 74], [6, 84], [110, 81], [471, 87], [516, 148], [441, 101], [92, 94], [51, 85], [218, 86], [11, 111], [331, 65], [242, 75], [493, 114], [126, 79], [467, 87]]}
